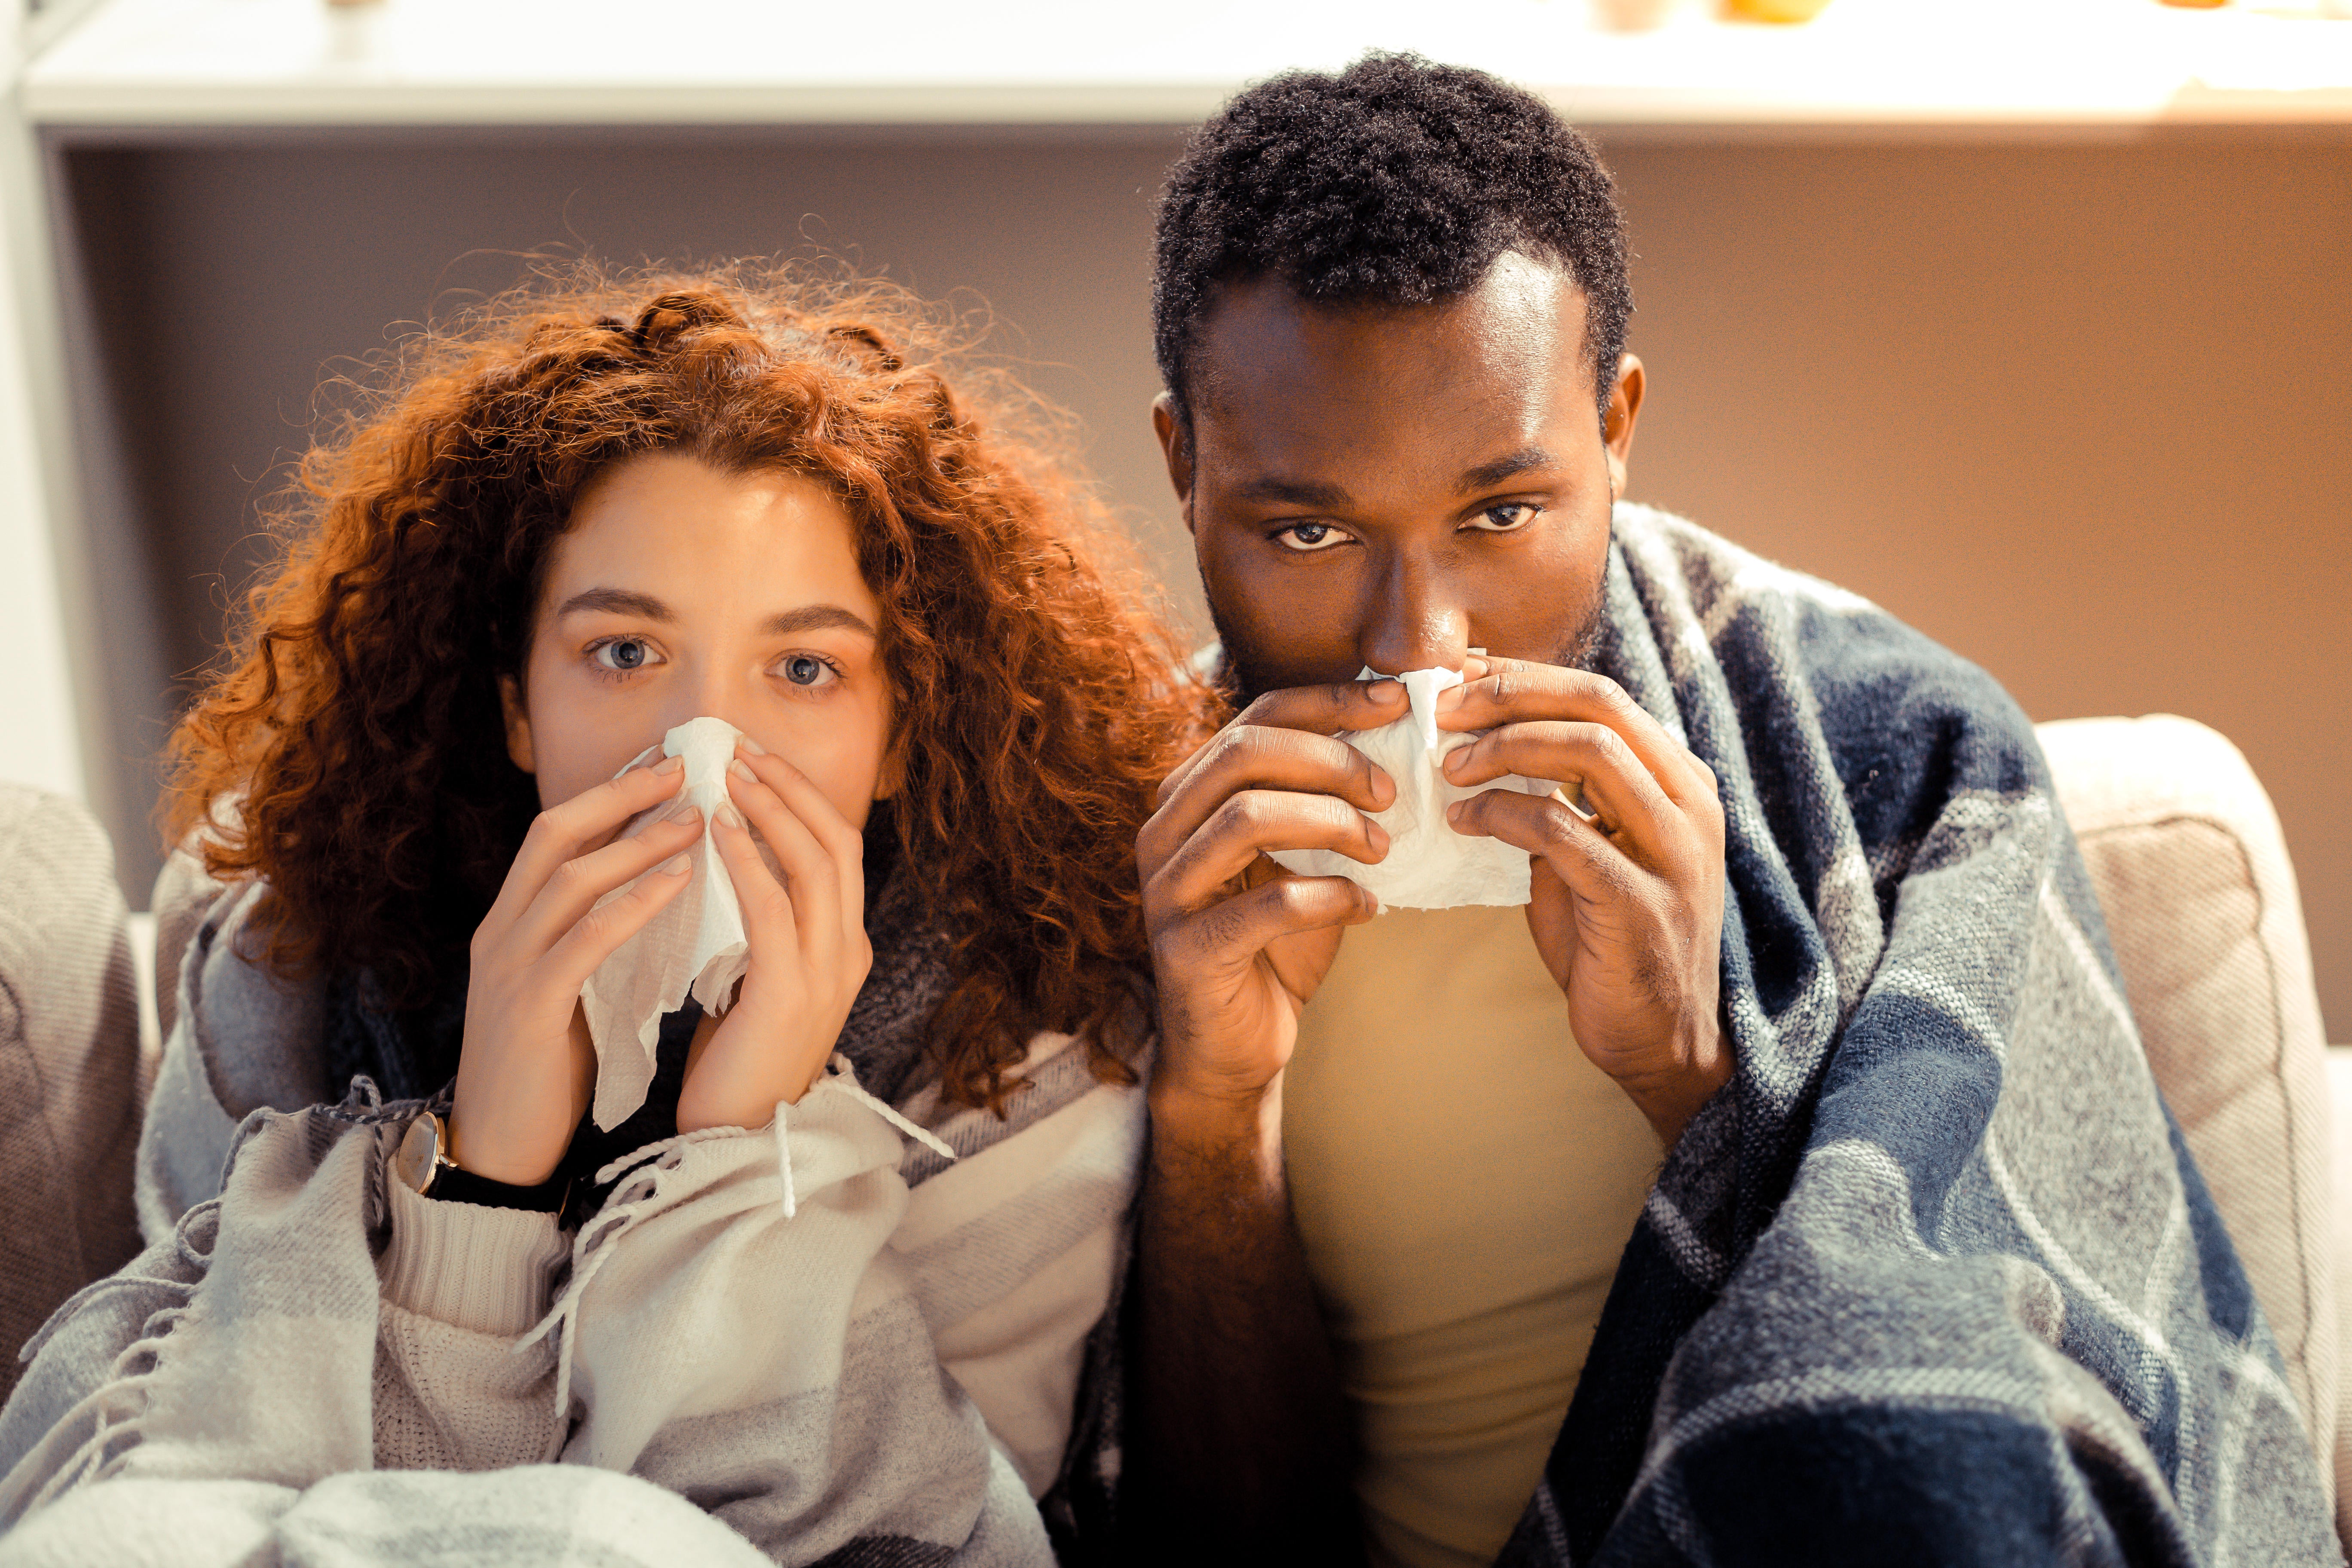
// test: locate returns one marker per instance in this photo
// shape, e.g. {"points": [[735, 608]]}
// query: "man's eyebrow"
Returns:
{"points": [[816, 617], [1318, 493], [617, 602], [1487, 476]]}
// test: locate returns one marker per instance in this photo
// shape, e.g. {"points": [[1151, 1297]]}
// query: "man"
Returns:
{"points": [[1805, 1057]]}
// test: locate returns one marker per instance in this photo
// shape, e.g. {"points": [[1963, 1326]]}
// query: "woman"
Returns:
{"points": [[594, 514]]}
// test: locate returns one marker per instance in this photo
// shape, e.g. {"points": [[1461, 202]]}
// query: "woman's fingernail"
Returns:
{"points": [[669, 764], [751, 745], [742, 770], [1385, 691], [730, 815], [1453, 812], [676, 866], [686, 813]]}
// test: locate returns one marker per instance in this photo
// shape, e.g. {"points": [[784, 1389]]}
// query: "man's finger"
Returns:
{"points": [[1229, 935], [1242, 760], [1577, 850], [1309, 710], [1517, 691], [1253, 823], [1621, 792]]}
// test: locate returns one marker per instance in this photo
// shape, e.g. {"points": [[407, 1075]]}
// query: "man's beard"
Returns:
{"points": [[1242, 674]]}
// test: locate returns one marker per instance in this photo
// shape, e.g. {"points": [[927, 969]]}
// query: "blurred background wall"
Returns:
{"points": [[2077, 410]]}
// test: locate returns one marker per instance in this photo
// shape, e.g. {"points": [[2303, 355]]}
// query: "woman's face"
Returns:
{"points": [[681, 590]]}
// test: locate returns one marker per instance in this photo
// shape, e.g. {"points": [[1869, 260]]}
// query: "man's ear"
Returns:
{"points": [[1176, 448], [518, 723], [1617, 424]]}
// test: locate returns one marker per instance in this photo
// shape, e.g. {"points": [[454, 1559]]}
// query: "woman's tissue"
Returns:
{"points": [[696, 944], [1428, 866]]}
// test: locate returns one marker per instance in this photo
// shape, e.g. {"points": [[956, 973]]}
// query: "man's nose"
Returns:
{"points": [[1412, 622]]}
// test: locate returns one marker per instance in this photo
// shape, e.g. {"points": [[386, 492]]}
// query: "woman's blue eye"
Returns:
{"points": [[624, 654], [807, 670]]}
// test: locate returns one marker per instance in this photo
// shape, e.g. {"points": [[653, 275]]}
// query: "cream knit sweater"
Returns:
{"points": [[876, 1362]]}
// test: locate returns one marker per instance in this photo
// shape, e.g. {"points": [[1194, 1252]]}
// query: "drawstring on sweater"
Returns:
{"points": [[843, 1077], [640, 1194]]}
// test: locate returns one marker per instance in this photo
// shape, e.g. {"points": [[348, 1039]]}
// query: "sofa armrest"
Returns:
{"points": [[69, 1062]]}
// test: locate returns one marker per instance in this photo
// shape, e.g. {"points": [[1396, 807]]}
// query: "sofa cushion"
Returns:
{"points": [[2201, 907], [69, 1063]]}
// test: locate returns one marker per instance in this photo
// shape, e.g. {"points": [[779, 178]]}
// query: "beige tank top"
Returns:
{"points": [[1465, 1181]]}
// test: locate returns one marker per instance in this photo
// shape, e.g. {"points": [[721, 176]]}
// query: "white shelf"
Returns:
{"points": [[196, 63]]}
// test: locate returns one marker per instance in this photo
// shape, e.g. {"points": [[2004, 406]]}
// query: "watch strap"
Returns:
{"points": [[457, 1185]]}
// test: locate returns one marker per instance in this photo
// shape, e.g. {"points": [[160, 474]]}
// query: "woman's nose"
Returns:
{"points": [[709, 693]]}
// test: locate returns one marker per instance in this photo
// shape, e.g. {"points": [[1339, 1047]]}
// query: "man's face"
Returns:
{"points": [[1394, 487]]}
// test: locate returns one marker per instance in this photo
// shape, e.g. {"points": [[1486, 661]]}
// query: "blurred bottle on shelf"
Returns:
{"points": [[1630, 16], [352, 28], [1773, 10]]}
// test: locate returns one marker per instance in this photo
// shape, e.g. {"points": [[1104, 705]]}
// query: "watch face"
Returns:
{"points": [[412, 1163]]}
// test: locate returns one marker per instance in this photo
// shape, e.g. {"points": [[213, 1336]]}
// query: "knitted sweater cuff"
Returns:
{"points": [[487, 1270]]}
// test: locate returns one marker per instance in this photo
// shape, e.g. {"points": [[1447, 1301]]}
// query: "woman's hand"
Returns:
{"points": [[527, 1067], [809, 949]]}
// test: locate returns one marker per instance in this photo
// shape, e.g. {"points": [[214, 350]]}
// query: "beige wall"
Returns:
{"points": [[2078, 412], [2084, 414]]}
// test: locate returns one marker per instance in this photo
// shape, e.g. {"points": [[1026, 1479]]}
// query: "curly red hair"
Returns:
{"points": [[348, 752]]}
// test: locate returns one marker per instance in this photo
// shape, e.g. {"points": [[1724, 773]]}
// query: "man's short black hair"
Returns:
{"points": [[1396, 182]]}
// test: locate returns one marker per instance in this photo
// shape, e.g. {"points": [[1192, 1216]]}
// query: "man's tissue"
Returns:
{"points": [[696, 944], [1429, 865]]}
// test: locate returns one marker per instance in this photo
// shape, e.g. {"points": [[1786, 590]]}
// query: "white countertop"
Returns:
{"points": [[160, 63]]}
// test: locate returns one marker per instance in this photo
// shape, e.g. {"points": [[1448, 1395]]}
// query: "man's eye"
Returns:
{"points": [[807, 670], [1307, 536], [624, 655], [1507, 518]]}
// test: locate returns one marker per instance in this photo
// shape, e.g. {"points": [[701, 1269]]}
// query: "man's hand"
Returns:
{"points": [[1238, 945], [1627, 904], [1240, 1449]]}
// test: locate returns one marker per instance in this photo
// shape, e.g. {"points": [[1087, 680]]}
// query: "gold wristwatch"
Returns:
{"points": [[423, 1164]]}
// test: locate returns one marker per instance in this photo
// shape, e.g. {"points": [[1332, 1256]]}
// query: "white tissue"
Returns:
{"points": [[696, 944], [1428, 866]]}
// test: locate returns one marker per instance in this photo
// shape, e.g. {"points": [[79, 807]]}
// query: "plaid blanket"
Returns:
{"points": [[1934, 1280]]}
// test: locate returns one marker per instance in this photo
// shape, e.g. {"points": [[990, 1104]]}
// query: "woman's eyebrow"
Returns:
{"points": [[816, 617], [617, 602]]}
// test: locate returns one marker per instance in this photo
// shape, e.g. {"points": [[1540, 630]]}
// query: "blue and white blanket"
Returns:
{"points": [[1934, 1280]]}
